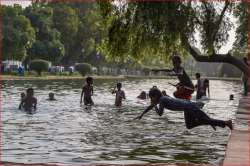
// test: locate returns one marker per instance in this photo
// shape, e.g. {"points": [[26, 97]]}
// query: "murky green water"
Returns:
{"points": [[62, 131]]}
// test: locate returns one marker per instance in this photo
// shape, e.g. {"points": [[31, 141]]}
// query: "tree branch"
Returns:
{"points": [[220, 58], [218, 23]]}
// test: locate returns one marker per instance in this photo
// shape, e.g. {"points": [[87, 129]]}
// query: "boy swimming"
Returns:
{"points": [[51, 97], [88, 91], [119, 95], [201, 87], [193, 115], [29, 102], [142, 96], [185, 87]]}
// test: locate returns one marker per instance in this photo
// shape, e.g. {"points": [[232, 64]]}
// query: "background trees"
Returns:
{"points": [[18, 34], [160, 29], [123, 32]]}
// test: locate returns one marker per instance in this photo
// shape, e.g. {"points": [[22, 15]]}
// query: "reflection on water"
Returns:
{"points": [[62, 131]]}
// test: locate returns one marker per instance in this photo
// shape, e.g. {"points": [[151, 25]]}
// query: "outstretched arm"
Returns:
{"points": [[208, 91], [145, 111], [35, 104], [20, 105], [81, 95], [166, 70]]}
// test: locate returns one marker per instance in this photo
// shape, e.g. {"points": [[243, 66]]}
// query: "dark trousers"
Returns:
{"points": [[196, 117]]}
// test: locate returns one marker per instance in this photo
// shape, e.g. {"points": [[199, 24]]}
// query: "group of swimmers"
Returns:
{"points": [[193, 115]]}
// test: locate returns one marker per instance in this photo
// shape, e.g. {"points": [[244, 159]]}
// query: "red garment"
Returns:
{"points": [[183, 93]]}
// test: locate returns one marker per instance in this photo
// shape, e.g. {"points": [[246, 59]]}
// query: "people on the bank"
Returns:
{"points": [[185, 87], [51, 97], [29, 103], [87, 92], [202, 87], [119, 94], [193, 115], [142, 96]]}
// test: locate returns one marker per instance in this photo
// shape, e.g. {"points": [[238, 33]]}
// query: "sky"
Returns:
{"points": [[223, 50]]}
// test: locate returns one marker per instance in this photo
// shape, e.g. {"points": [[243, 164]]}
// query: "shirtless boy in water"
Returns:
{"points": [[119, 95], [29, 102], [88, 91]]}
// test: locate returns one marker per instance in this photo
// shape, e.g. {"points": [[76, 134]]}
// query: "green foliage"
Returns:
{"points": [[48, 45], [18, 34], [83, 68], [65, 20], [39, 66], [161, 29], [241, 43]]}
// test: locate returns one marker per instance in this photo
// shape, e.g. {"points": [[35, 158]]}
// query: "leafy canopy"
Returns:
{"points": [[159, 29]]}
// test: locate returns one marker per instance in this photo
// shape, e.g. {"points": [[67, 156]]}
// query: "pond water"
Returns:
{"points": [[62, 131]]}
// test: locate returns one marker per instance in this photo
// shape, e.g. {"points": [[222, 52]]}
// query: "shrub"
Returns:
{"points": [[39, 66], [146, 70], [83, 68]]}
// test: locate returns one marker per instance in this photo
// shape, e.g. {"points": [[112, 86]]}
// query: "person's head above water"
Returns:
{"points": [[23, 95], [143, 95], [51, 96], [89, 80], [30, 92], [198, 75], [119, 85], [155, 95], [176, 60], [164, 93]]}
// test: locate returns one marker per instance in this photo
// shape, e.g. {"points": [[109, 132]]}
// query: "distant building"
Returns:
{"points": [[11, 65]]}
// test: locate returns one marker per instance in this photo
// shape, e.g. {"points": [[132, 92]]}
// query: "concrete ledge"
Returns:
{"points": [[237, 153]]}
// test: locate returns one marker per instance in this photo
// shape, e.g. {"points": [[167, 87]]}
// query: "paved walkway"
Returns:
{"points": [[237, 153]]}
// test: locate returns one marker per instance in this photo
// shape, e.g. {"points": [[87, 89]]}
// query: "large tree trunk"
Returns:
{"points": [[220, 58]]}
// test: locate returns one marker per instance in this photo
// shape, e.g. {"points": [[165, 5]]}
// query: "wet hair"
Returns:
{"points": [[89, 79], [176, 59], [30, 90], [155, 92], [197, 75], [164, 93], [206, 81], [119, 84], [51, 94]]}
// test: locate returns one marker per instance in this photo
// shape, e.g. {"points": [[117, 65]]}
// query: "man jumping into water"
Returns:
{"points": [[193, 115]]}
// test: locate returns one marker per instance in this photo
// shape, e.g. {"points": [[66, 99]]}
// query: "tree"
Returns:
{"points": [[83, 68], [18, 34], [48, 45], [160, 29], [39, 66], [66, 21], [241, 42]]}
